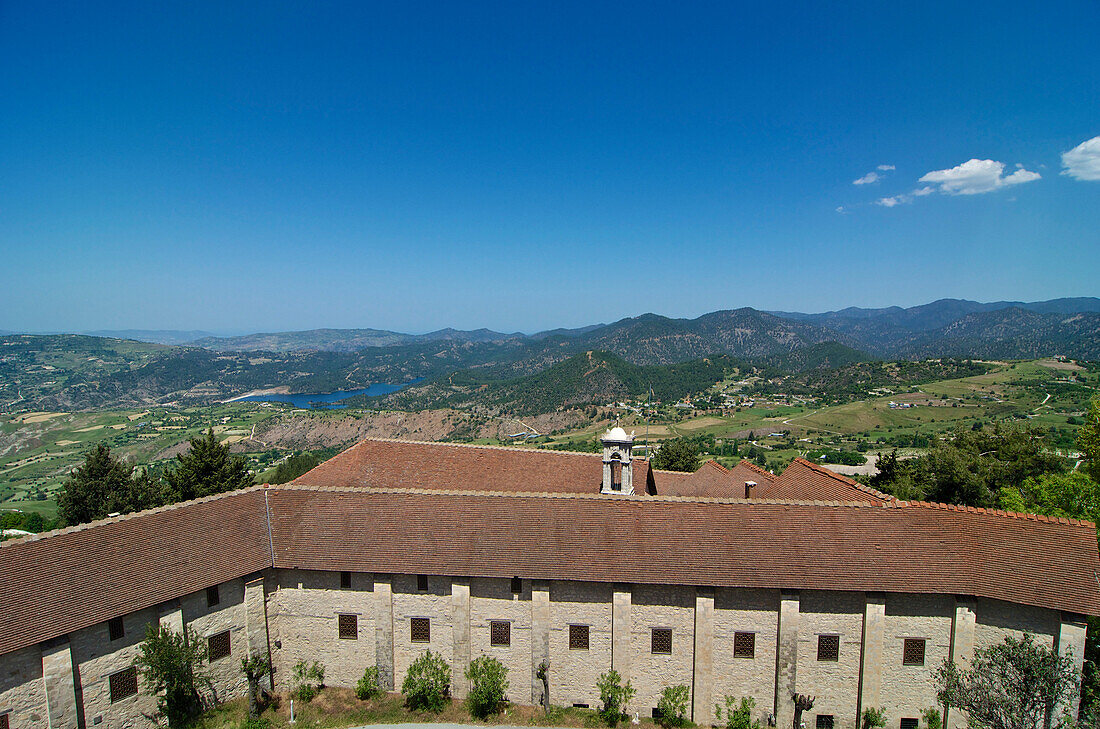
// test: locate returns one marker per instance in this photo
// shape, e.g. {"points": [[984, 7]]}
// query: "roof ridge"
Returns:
{"points": [[817, 468], [1021, 515], [481, 446], [129, 515], [752, 466]]}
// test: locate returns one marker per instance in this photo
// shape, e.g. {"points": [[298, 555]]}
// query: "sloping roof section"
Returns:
{"points": [[74, 578], [899, 547], [713, 480], [805, 480]]}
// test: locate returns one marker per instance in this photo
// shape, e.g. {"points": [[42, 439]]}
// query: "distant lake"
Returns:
{"points": [[327, 400]]}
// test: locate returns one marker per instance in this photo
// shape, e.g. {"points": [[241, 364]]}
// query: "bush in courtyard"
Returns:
{"points": [[488, 681], [173, 667], [310, 679], [427, 684], [737, 716], [614, 696], [673, 706], [367, 687], [874, 718], [255, 723], [932, 718]]}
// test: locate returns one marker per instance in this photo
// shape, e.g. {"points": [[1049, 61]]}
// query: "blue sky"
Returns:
{"points": [[410, 166]]}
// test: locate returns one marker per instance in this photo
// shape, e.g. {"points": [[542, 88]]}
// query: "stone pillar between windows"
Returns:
{"points": [[62, 707], [786, 658], [171, 615], [870, 655], [963, 630], [255, 622], [383, 631], [1071, 641], [702, 677], [460, 626], [621, 626], [540, 634]]}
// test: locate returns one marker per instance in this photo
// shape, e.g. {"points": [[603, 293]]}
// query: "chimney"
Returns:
{"points": [[750, 489]]}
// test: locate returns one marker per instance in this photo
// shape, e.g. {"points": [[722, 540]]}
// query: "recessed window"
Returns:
{"points": [[115, 629], [212, 596], [345, 580], [578, 637], [913, 652], [909, 723], [422, 583], [824, 721], [420, 630], [580, 706], [744, 645], [660, 640], [218, 645], [123, 684], [349, 627], [828, 647], [517, 585], [3, 721], [655, 712], [500, 633]]}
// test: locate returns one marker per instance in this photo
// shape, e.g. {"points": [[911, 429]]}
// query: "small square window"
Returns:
{"points": [[3, 721], [744, 645], [420, 630], [115, 628], [661, 640], [578, 637], [828, 647], [422, 583], [349, 627], [517, 585], [655, 712], [500, 633], [913, 652], [218, 645], [580, 706], [345, 580], [123, 684], [212, 596], [824, 721], [909, 723]]}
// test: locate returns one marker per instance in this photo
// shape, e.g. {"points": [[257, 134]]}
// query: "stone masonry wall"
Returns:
{"points": [[834, 683], [908, 690], [745, 611], [660, 606], [22, 692], [493, 600], [434, 604], [573, 673]]}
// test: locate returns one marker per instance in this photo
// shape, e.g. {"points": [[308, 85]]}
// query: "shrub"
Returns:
{"points": [[932, 718], [673, 706], [367, 687], [614, 696], [740, 717], [428, 683], [310, 679], [488, 681], [255, 723], [873, 718]]}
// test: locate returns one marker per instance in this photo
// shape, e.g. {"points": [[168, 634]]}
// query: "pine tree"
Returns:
{"points": [[104, 485], [208, 468]]}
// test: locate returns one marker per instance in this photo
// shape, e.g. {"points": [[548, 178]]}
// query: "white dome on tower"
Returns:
{"points": [[618, 435]]}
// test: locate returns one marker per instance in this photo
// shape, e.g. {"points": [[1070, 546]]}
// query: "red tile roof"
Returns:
{"points": [[713, 480], [805, 480]]}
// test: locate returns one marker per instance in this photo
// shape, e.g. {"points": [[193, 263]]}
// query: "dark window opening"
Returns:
{"points": [[218, 645], [115, 629], [913, 652], [744, 645], [661, 640], [517, 585], [123, 684], [500, 633], [349, 627], [345, 580], [824, 721], [578, 637], [422, 583], [616, 472], [909, 723], [212, 596], [3, 721], [580, 706], [420, 630], [655, 712], [828, 647]]}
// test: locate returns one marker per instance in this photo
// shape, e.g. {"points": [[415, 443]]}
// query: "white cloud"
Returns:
{"points": [[885, 168], [922, 191], [867, 179], [1083, 161], [977, 176], [840, 208], [889, 202]]}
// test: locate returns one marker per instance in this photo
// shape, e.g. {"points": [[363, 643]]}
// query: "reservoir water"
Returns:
{"points": [[327, 399]]}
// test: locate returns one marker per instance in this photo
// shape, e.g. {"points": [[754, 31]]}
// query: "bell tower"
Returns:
{"points": [[617, 455]]}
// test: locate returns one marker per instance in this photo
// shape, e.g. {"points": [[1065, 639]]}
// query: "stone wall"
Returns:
{"points": [[65, 682]]}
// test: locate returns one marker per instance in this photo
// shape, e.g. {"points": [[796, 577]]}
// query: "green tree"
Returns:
{"points": [[672, 707], [104, 485], [207, 468], [1009, 685], [1088, 440], [254, 668], [737, 716], [294, 467], [677, 454], [368, 686], [174, 667], [488, 682], [614, 696], [309, 680], [873, 718], [427, 684]]}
